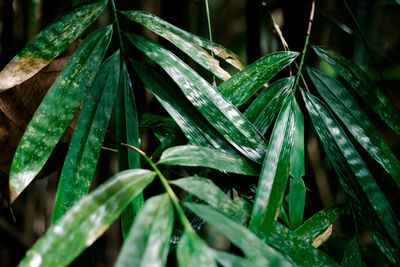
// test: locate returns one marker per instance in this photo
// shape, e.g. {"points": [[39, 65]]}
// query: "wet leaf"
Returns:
{"points": [[221, 114], [57, 110], [347, 109], [87, 220], [207, 157], [84, 150], [370, 205], [241, 86], [49, 43], [192, 251], [148, 240], [363, 86]]}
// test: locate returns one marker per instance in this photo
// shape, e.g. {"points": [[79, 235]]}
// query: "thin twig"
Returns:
{"points": [[210, 35], [109, 149], [141, 152]]}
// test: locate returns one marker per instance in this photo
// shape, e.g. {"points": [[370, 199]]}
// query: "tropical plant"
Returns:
{"points": [[240, 126]]}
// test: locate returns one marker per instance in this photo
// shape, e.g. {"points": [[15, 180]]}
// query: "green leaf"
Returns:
{"points": [[319, 222], [189, 43], [253, 248], [194, 126], [192, 251], [363, 86], [348, 110], [197, 156], [207, 191], [221, 114], [352, 255], [49, 43], [247, 82], [84, 150], [297, 189], [230, 260], [264, 108], [174, 138], [87, 220], [275, 170], [148, 240], [57, 110], [127, 131], [360, 186]]}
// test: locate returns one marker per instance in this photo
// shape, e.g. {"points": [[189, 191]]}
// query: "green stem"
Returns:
{"points": [[115, 11], [210, 33]]}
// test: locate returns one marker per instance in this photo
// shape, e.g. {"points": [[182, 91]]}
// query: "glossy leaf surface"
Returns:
{"points": [[49, 43], [230, 260], [189, 43], [258, 252], [352, 255], [348, 110], [275, 171], [192, 251], [195, 127], [57, 110], [363, 86], [241, 86], [197, 156], [87, 220], [267, 104], [84, 150], [221, 114], [148, 240], [360, 186], [207, 191]]}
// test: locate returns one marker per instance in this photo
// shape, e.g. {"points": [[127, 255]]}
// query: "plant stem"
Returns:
{"points": [[182, 217], [210, 34], [303, 53], [115, 11]]}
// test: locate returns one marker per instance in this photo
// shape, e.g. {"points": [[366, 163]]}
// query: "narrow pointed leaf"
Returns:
{"points": [[319, 222], [352, 255], [220, 113], [275, 171], [49, 43], [87, 220], [192, 251], [197, 130], [84, 150], [264, 108], [360, 186], [230, 260], [297, 189], [207, 191], [258, 252], [189, 43], [245, 83], [347, 109], [363, 86], [148, 240], [57, 110], [127, 131], [207, 157]]}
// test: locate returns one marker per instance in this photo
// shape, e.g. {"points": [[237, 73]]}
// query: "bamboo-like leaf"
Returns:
{"points": [[275, 170], [258, 252], [207, 191], [189, 43], [352, 255], [221, 114], [174, 138], [192, 251], [87, 220], [363, 86], [297, 189], [127, 131], [49, 43], [84, 150], [245, 83], [57, 110], [193, 125], [230, 260], [319, 222], [148, 240], [360, 186], [197, 156], [348, 110], [264, 108]]}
